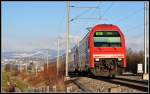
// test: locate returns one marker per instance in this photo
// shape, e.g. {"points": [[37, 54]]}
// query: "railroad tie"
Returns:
{"points": [[114, 89]]}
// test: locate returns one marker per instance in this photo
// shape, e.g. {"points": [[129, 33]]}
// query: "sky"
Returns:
{"points": [[29, 25]]}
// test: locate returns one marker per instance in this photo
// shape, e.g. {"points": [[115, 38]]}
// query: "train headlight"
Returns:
{"points": [[96, 59], [119, 59]]}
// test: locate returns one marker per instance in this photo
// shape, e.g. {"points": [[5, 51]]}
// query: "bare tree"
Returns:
{"points": [[134, 58]]}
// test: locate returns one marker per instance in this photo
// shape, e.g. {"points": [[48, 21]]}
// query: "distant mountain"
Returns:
{"points": [[35, 53], [6, 55]]}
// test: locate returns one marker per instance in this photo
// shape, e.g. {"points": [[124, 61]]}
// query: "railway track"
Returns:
{"points": [[104, 84], [135, 84], [131, 80], [80, 85]]}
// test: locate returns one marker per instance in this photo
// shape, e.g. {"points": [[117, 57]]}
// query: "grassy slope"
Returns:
{"points": [[6, 77]]}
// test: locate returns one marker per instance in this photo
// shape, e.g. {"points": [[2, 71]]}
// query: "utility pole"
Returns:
{"points": [[26, 67], [20, 65], [57, 56], [36, 66], [146, 26], [147, 36], [67, 37], [47, 61]]}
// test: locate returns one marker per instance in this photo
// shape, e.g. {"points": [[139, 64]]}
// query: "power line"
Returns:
{"points": [[102, 16], [82, 7], [89, 18], [99, 9], [80, 15], [96, 8], [128, 16], [108, 8], [88, 8], [99, 3]]}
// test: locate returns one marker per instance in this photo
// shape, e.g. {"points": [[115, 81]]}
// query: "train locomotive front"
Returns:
{"points": [[107, 50], [101, 52]]}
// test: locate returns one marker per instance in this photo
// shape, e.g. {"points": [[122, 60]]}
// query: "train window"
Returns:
{"points": [[99, 33], [106, 33], [107, 39]]}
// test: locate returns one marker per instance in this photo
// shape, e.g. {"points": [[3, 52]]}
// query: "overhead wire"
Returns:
{"points": [[89, 8], [130, 15], [99, 3], [106, 11], [108, 8], [127, 17], [79, 15], [98, 7]]}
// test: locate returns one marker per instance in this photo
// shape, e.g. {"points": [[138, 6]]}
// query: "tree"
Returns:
{"points": [[7, 67], [134, 58]]}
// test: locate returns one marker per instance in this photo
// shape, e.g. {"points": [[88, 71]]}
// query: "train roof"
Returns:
{"points": [[111, 25]]}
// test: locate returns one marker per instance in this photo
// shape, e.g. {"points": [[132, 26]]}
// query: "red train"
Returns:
{"points": [[102, 52]]}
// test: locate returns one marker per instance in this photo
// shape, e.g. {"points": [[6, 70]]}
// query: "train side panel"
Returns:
{"points": [[72, 60], [83, 54]]}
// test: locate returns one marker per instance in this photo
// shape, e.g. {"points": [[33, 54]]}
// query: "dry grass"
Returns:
{"points": [[47, 77]]}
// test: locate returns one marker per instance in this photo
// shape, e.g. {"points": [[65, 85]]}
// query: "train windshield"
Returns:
{"points": [[107, 39]]}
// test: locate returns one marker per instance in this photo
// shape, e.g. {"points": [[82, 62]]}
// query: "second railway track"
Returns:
{"points": [[135, 84], [105, 84], [80, 85]]}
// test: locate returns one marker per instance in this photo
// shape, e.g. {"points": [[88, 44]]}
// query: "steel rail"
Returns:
{"points": [[126, 82], [81, 86]]}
